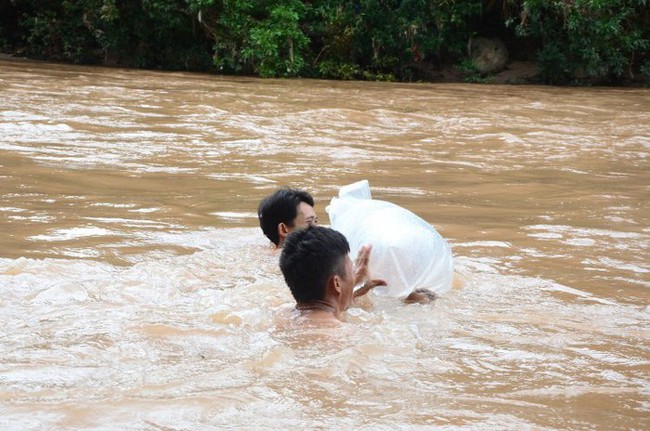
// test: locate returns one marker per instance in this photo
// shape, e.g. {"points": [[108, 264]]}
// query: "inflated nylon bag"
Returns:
{"points": [[407, 252]]}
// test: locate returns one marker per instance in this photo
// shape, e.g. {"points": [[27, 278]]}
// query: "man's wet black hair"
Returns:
{"points": [[280, 207], [309, 257]]}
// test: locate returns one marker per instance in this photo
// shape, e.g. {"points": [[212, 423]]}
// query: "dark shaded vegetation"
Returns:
{"points": [[571, 41]]}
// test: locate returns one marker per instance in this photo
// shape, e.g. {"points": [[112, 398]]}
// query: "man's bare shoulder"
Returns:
{"points": [[289, 317]]}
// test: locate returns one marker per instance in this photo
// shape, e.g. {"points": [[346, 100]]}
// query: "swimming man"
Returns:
{"points": [[284, 211], [317, 268]]}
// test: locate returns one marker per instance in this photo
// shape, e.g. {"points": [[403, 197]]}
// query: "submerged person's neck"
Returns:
{"points": [[318, 310]]}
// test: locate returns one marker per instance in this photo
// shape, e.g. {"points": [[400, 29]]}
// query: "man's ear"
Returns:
{"points": [[283, 230], [337, 284], [333, 286]]}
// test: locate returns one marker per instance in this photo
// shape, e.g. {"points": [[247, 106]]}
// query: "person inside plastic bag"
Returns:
{"points": [[285, 210], [316, 265], [408, 252]]}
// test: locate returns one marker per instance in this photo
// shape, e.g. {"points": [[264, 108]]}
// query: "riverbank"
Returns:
{"points": [[515, 72]]}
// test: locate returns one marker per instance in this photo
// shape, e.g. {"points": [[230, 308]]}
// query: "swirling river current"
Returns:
{"points": [[138, 292]]}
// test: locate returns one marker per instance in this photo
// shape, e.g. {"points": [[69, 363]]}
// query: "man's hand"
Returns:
{"points": [[361, 276]]}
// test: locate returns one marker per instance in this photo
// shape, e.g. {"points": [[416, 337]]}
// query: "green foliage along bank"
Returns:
{"points": [[571, 41]]}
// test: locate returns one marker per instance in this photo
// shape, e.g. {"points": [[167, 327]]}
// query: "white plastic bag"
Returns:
{"points": [[407, 251]]}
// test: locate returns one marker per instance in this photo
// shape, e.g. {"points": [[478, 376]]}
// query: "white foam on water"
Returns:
{"points": [[145, 210], [12, 209], [234, 215], [73, 233], [499, 244]]}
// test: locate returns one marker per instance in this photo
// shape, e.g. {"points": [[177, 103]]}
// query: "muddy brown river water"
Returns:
{"points": [[137, 291]]}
